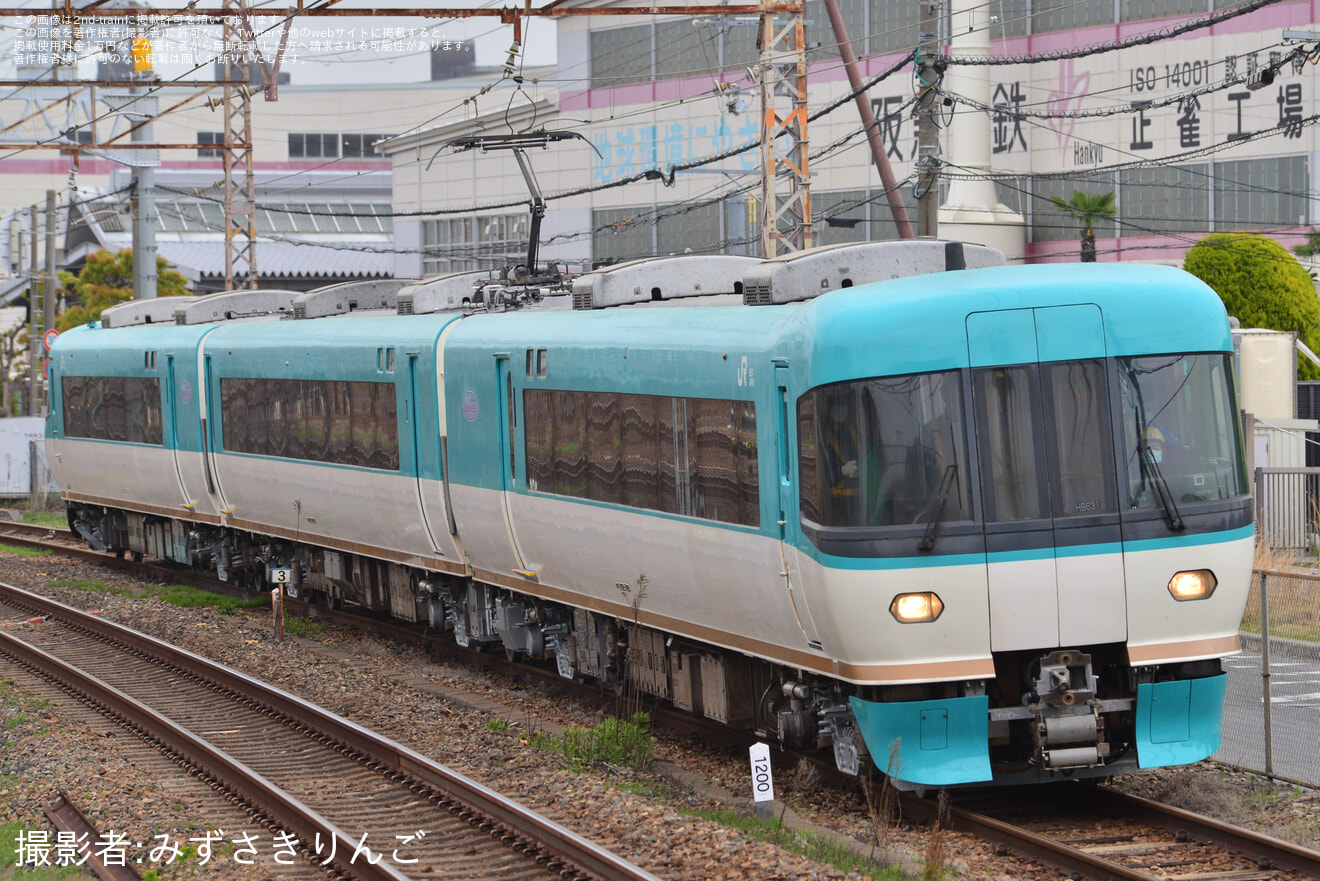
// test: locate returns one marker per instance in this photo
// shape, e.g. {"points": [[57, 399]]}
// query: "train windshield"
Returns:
{"points": [[1179, 429], [884, 452]]}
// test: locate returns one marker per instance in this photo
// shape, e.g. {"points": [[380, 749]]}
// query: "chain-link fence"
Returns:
{"points": [[1272, 709]]}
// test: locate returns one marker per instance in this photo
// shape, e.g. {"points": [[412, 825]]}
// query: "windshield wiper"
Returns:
{"points": [[933, 527], [1150, 466]]}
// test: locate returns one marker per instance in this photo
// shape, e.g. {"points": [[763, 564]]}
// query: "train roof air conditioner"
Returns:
{"points": [[348, 296], [159, 310], [815, 271], [236, 304], [444, 293], [661, 278]]}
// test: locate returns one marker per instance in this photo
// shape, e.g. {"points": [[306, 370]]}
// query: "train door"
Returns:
{"points": [[211, 417], [172, 428], [1041, 401], [414, 416], [788, 519], [508, 470], [442, 450]]}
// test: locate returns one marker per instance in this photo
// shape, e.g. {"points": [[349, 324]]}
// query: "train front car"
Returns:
{"points": [[1024, 523]]}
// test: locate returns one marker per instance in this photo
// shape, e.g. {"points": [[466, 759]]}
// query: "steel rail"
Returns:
{"points": [[556, 842], [67, 817], [250, 786], [1021, 842], [1260, 849]]}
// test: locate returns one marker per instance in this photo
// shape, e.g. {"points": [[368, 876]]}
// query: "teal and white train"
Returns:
{"points": [[986, 525]]}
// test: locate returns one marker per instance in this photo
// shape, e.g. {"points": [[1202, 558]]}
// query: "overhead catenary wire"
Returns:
{"points": [[645, 176]]}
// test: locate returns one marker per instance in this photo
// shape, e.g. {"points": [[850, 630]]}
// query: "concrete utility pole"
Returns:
{"points": [[929, 70], [144, 209]]}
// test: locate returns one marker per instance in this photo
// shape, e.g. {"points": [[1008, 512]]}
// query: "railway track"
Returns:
{"points": [[1101, 834], [1082, 831], [297, 768]]}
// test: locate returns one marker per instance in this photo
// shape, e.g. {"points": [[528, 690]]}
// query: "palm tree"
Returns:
{"points": [[1087, 209]]}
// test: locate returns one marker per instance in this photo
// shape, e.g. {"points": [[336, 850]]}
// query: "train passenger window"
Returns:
{"points": [[1008, 425], [690, 456], [114, 408], [344, 423], [529, 363], [1179, 426], [883, 452], [542, 362]]}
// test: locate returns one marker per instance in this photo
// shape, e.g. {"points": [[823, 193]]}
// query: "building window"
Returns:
{"points": [[360, 146], [216, 138], [841, 217], [313, 146], [1159, 200], [620, 234], [621, 55], [1064, 15], [1142, 10], [1261, 193], [491, 241]]}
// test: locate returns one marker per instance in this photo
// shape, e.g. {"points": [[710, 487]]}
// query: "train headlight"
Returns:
{"points": [[914, 608], [1197, 584]]}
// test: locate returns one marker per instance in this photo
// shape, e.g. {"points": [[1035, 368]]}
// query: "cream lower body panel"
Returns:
{"points": [[1164, 630]]}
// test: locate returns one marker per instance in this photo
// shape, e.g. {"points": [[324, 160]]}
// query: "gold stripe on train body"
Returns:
{"points": [[1188, 650]]}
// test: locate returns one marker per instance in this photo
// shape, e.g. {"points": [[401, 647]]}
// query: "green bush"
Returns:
{"points": [[1261, 284]]}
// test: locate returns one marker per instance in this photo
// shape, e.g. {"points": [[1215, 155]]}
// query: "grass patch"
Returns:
{"points": [[175, 594], [9, 833], [46, 518], [618, 742], [804, 844], [497, 724], [195, 598], [304, 627], [24, 552]]}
